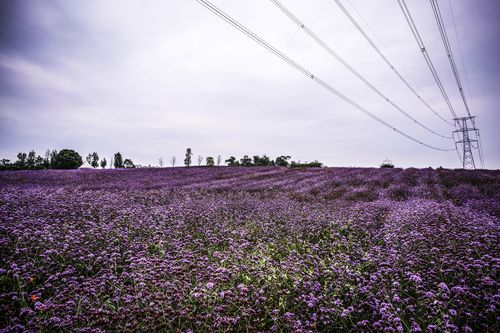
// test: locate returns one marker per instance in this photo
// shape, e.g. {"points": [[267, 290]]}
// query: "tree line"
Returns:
{"points": [[70, 159], [64, 159], [247, 161], [53, 159]]}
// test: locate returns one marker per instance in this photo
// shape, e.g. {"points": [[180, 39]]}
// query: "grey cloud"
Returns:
{"points": [[151, 78]]}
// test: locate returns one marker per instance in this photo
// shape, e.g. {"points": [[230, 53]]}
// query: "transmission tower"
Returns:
{"points": [[462, 135]]}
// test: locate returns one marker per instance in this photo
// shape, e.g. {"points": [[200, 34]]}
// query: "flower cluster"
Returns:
{"points": [[250, 249]]}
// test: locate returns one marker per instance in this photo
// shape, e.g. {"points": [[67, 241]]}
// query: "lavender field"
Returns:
{"points": [[250, 249]]}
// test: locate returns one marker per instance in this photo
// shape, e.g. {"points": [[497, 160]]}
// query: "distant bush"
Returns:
{"points": [[281, 161], [314, 164]]}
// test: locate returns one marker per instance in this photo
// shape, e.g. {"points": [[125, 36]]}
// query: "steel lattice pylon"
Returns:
{"points": [[465, 126]]}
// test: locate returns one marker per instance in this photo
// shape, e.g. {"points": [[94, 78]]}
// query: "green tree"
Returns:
{"points": [[53, 155], [89, 159], [246, 161], [262, 161], [46, 160], [232, 161], [31, 159], [118, 164], [95, 160], [68, 159], [210, 161], [39, 163], [187, 160], [282, 160], [21, 160], [103, 163]]}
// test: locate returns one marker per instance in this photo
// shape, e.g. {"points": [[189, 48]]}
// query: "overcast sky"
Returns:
{"points": [[151, 78]]}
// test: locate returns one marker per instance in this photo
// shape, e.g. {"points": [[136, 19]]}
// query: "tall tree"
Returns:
{"points": [[53, 156], [187, 160], [172, 161], [46, 160], [160, 162], [89, 159], [21, 160], [39, 163], [95, 160], [232, 161], [103, 163], [282, 160], [68, 159], [210, 161], [118, 163], [200, 159], [246, 161], [219, 160], [262, 161], [30, 161]]}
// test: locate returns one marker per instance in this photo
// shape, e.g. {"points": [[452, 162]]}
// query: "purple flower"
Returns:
{"points": [[415, 278], [310, 246], [443, 287], [39, 306]]}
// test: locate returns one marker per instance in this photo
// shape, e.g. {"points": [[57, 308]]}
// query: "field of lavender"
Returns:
{"points": [[250, 249]]}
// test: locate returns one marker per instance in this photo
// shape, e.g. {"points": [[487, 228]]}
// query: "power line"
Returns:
{"points": [[460, 51], [481, 151], [384, 58], [449, 52], [426, 56], [409, 79], [451, 58], [325, 46], [269, 47]]}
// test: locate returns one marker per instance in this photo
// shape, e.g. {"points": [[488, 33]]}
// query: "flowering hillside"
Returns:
{"points": [[250, 249]]}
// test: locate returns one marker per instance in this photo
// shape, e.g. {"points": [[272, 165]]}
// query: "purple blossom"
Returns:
{"points": [[415, 278], [273, 249], [443, 287]]}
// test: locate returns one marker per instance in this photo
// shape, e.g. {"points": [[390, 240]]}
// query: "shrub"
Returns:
{"points": [[314, 164]]}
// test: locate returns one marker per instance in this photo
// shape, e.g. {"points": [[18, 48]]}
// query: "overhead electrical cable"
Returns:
{"points": [[388, 52], [207, 4], [481, 152], [460, 51], [387, 62], [426, 56], [325, 46], [449, 52]]}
